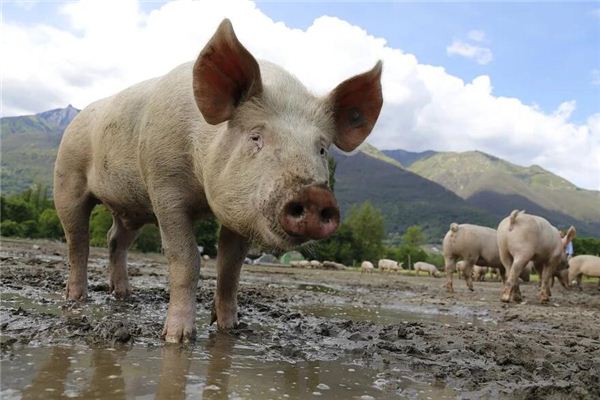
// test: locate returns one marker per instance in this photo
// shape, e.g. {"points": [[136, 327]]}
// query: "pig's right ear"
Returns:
{"points": [[225, 75], [356, 106]]}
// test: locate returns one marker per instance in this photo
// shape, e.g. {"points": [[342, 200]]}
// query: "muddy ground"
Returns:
{"points": [[303, 334]]}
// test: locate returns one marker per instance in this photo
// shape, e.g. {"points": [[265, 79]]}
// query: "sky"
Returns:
{"points": [[518, 80]]}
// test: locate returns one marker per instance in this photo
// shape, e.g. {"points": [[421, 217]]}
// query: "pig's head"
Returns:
{"points": [[265, 169]]}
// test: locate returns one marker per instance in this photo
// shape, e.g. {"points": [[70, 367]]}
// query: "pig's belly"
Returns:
{"points": [[125, 196]]}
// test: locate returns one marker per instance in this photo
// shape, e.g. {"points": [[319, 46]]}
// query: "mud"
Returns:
{"points": [[303, 334]]}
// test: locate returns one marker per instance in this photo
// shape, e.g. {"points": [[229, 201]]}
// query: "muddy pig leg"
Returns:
{"points": [[231, 254], [511, 289], [468, 274], [182, 254], [547, 274], [119, 239], [74, 206], [450, 268]]}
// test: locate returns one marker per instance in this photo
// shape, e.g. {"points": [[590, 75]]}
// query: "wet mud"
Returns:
{"points": [[303, 334]]}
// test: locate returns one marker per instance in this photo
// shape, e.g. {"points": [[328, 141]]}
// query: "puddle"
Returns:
{"points": [[396, 313], [218, 367]]}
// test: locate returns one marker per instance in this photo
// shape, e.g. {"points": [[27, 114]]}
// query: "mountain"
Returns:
{"points": [[499, 186], [407, 158], [404, 197], [29, 146]]}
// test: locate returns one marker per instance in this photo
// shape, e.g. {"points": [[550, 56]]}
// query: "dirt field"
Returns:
{"points": [[303, 334]]}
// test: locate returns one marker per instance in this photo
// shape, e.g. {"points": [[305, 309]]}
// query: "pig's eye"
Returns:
{"points": [[323, 152], [257, 140]]}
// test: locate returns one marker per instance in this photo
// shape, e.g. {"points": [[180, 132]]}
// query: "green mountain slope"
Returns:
{"points": [[407, 158], [499, 186], [29, 145], [404, 197]]}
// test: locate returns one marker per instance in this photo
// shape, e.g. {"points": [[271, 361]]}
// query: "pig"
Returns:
{"points": [[523, 238], [474, 245], [226, 135], [366, 267], [315, 264], [479, 273], [583, 265], [386, 265], [426, 267]]}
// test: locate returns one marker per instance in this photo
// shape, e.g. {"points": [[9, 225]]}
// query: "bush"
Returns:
{"points": [[16, 209], [149, 239], [29, 228], [100, 223], [10, 228], [49, 225]]}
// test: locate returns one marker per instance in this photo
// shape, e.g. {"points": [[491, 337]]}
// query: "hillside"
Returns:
{"points": [[29, 145], [498, 186], [404, 197], [407, 158]]}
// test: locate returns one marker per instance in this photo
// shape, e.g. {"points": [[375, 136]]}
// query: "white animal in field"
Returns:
{"points": [[366, 267]]}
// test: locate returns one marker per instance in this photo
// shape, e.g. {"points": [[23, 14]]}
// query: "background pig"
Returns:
{"points": [[474, 245], [386, 265], [479, 273], [523, 238], [225, 135], [366, 267], [583, 265], [426, 267]]}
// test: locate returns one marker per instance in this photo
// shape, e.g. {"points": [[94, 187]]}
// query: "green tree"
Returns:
{"points": [[100, 223], [10, 228], [49, 224], [586, 245], [206, 233], [148, 239], [413, 236], [16, 209], [366, 223]]}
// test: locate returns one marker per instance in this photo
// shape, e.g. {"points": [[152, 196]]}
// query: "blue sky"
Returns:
{"points": [[544, 53]]}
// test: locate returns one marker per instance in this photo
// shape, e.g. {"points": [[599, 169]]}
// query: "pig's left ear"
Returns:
{"points": [[569, 236], [225, 75], [356, 105]]}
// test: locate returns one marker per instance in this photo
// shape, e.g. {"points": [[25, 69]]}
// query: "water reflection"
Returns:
{"points": [[174, 368], [220, 366]]}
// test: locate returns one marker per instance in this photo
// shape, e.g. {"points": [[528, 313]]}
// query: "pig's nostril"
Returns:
{"points": [[327, 214], [295, 209]]}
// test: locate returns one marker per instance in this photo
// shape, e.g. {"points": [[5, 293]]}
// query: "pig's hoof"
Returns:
{"points": [[225, 315], [176, 331], [505, 298], [120, 290], [76, 292], [544, 299]]}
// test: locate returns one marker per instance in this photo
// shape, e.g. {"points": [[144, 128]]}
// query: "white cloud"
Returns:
{"points": [[482, 55], [110, 45], [476, 35]]}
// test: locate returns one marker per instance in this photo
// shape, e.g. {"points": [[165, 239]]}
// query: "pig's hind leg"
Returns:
{"points": [[231, 254], [119, 239]]}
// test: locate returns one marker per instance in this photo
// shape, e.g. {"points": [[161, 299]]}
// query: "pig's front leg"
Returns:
{"points": [[231, 254], [184, 271]]}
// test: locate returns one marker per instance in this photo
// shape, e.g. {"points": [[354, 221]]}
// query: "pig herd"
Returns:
{"points": [[521, 243]]}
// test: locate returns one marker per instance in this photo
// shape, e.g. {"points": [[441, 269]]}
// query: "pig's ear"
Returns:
{"points": [[225, 75], [356, 105], [569, 236]]}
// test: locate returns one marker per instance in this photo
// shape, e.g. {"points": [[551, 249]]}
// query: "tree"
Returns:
{"points": [[206, 233], [100, 223], [49, 225], [413, 236], [149, 239], [367, 227]]}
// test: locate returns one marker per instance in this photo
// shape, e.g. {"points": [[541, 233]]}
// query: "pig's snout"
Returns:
{"points": [[311, 214]]}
